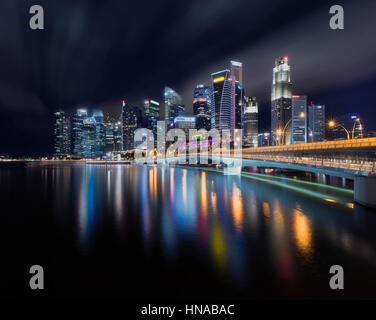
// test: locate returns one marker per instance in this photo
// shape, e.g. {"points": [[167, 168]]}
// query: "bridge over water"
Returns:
{"points": [[351, 159]]}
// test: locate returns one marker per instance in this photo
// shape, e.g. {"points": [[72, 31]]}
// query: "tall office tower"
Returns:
{"points": [[223, 101], [202, 107], [113, 136], [299, 119], [250, 122], [281, 101], [132, 119], [100, 134], [77, 132], [88, 137], [237, 77], [151, 116], [173, 106], [62, 134], [110, 141], [118, 135], [316, 122], [237, 71]]}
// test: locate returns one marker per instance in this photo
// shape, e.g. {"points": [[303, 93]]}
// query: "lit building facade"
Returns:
{"points": [[78, 132], [88, 137], [202, 107], [132, 120], [100, 134], [299, 119], [151, 116], [62, 134], [238, 93], [173, 106], [223, 102], [281, 101], [250, 122], [316, 122]]}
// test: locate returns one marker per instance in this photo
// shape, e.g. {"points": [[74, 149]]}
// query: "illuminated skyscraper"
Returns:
{"points": [[88, 137], [78, 132], [223, 101], [250, 122], [100, 134], [299, 119], [173, 106], [110, 141], [237, 77], [316, 118], [237, 72], [132, 119], [114, 136], [281, 101], [202, 107], [151, 116], [62, 134]]}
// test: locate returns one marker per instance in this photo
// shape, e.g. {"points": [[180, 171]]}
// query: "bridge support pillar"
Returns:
{"points": [[365, 191]]}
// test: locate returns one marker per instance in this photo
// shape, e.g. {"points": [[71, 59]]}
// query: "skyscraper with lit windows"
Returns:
{"points": [[62, 134], [223, 102], [132, 120], [250, 122], [151, 116], [299, 119], [173, 106], [238, 93], [281, 101], [78, 132], [100, 134], [316, 116], [202, 107]]}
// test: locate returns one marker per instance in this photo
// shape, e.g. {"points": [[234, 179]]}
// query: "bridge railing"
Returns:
{"points": [[325, 145]]}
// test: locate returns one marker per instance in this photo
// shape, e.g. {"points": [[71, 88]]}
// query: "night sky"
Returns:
{"points": [[95, 53]]}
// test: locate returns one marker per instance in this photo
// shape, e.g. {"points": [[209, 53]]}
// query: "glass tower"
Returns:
{"points": [[62, 134], [316, 116], [281, 101], [100, 134], [202, 107], [237, 76], [223, 102], [173, 106], [78, 132], [299, 119], [151, 116], [88, 137], [132, 120], [250, 122]]}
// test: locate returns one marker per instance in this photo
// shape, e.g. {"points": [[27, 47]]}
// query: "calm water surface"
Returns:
{"points": [[159, 232]]}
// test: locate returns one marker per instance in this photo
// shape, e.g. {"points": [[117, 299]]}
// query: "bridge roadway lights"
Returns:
{"points": [[365, 191]]}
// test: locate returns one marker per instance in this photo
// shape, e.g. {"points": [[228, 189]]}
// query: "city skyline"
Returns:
{"points": [[223, 106]]}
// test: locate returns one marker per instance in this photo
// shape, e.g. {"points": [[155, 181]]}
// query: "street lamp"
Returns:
{"points": [[333, 124]]}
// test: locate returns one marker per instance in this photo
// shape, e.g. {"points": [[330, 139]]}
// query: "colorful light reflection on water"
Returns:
{"points": [[202, 233]]}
